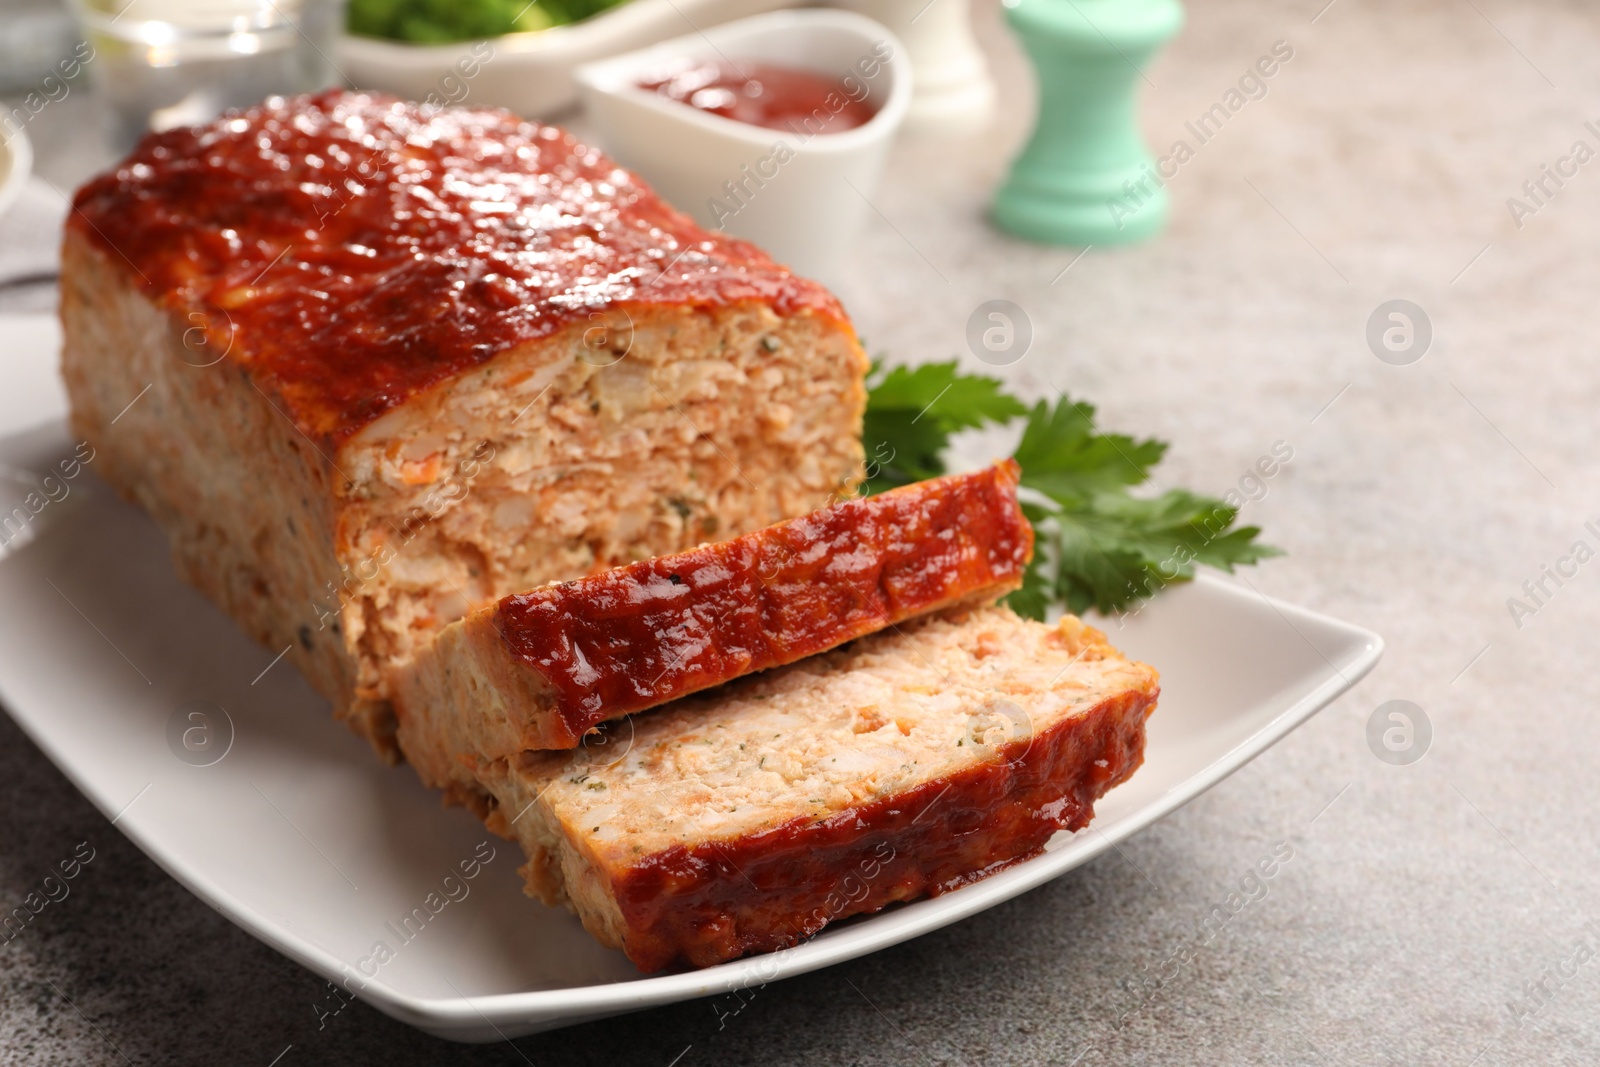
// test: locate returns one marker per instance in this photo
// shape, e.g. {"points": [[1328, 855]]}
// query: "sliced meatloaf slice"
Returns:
{"points": [[538, 670], [372, 365], [904, 765]]}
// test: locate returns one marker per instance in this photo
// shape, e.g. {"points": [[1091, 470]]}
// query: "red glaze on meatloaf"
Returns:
{"points": [[903, 765], [718, 901], [538, 670], [641, 635], [351, 250]]}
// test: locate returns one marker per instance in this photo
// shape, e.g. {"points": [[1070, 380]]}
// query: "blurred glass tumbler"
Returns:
{"points": [[1085, 177], [166, 63]]}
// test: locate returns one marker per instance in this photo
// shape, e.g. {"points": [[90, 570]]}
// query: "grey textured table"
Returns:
{"points": [[1423, 900]]}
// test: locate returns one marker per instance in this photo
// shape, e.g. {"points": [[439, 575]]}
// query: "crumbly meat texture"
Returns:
{"points": [[537, 670], [903, 765], [372, 365]]}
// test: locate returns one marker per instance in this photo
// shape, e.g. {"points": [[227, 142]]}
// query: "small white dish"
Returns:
{"points": [[296, 833], [528, 73], [800, 196], [16, 163]]}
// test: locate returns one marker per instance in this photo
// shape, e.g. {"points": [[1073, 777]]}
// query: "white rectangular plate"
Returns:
{"points": [[301, 837]]}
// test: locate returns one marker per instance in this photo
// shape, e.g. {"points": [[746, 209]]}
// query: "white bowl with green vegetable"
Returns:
{"points": [[508, 53]]}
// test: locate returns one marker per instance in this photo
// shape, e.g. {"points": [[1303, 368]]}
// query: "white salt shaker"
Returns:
{"points": [[952, 92]]}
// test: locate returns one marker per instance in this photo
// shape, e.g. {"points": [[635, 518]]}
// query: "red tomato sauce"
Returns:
{"points": [[760, 94]]}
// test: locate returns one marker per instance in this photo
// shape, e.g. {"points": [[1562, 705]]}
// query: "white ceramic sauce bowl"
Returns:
{"points": [[801, 197]]}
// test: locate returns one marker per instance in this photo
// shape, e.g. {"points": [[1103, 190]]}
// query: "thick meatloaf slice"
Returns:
{"points": [[372, 365], [909, 763], [537, 670]]}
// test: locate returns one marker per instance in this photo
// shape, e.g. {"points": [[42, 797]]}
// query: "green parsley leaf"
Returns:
{"points": [[1096, 544], [1063, 456], [1033, 600], [1114, 548], [912, 413]]}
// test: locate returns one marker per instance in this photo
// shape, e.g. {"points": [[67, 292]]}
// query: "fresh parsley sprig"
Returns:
{"points": [[912, 412], [1096, 543]]}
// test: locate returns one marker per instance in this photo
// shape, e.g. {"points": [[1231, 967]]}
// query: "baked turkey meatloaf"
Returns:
{"points": [[539, 669], [906, 764], [372, 364]]}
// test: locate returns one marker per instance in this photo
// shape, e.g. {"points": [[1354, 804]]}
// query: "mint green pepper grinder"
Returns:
{"points": [[1085, 177]]}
